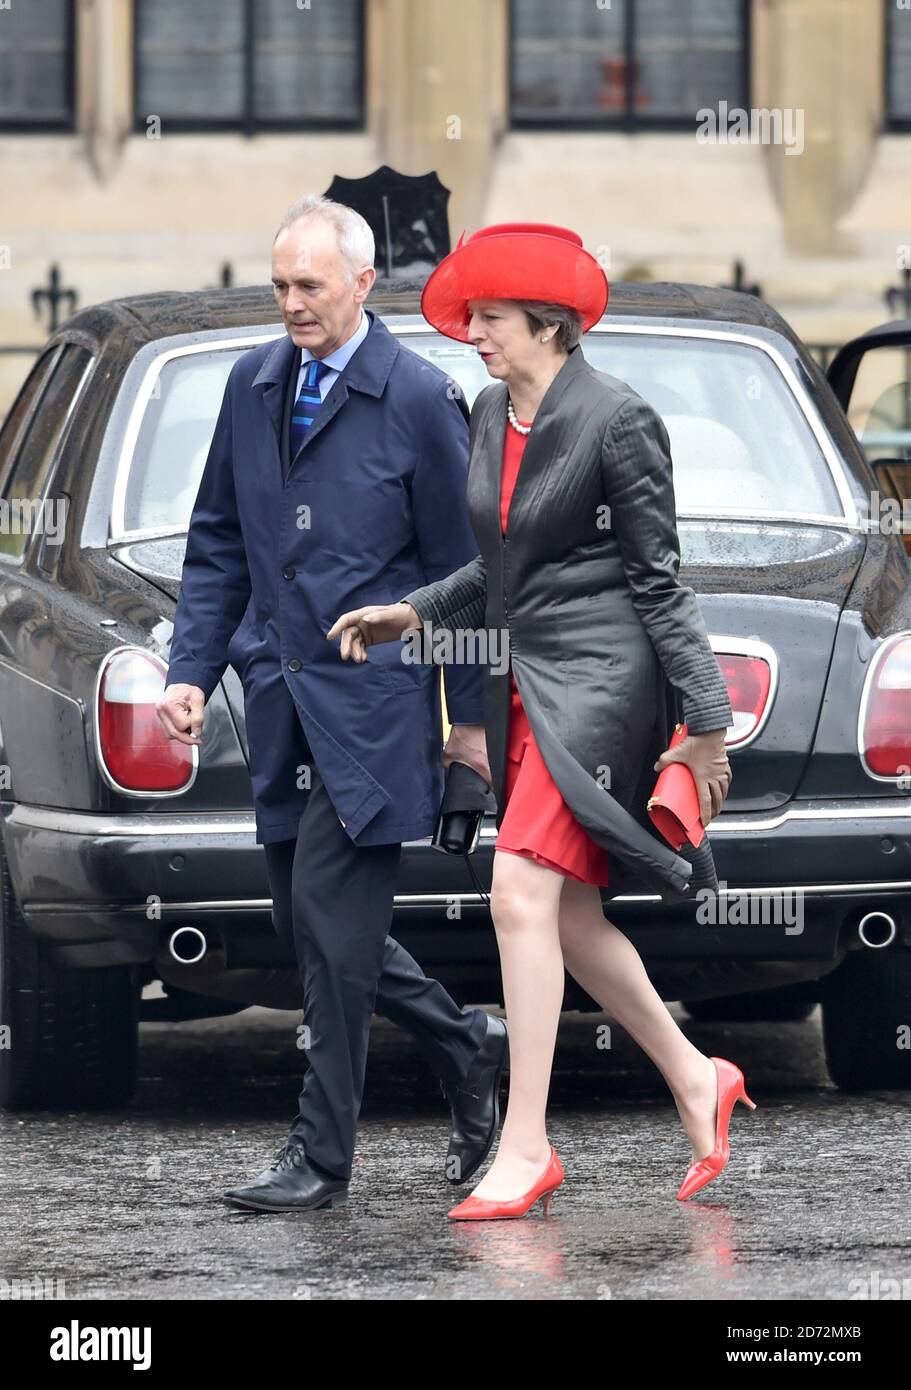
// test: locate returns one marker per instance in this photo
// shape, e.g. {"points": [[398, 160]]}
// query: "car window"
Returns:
{"points": [[880, 404], [174, 438], [739, 440], [21, 406], [37, 447]]}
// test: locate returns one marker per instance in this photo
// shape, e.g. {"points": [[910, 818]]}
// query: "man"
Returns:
{"points": [[337, 477]]}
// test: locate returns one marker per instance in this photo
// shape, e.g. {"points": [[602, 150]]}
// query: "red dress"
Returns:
{"points": [[537, 823]]}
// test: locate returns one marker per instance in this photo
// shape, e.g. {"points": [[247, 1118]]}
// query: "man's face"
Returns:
{"points": [[319, 305]]}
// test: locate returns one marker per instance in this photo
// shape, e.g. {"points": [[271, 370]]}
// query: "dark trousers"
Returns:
{"points": [[335, 900]]}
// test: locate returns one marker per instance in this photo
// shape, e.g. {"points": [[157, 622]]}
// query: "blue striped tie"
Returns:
{"points": [[307, 403]]}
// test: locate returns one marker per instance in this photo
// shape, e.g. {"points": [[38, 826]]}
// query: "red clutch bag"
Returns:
{"points": [[674, 804]]}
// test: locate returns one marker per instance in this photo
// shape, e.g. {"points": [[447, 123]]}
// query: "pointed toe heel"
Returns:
{"points": [[731, 1088], [482, 1209]]}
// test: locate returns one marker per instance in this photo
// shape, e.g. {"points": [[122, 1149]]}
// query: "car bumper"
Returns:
{"points": [[106, 889]]}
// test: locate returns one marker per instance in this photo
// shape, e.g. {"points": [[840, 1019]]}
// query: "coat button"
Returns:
{"points": [[294, 664], [288, 572]]}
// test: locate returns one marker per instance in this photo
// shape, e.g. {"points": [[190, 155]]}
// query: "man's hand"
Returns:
{"points": [[467, 743], [181, 710], [705, 756], [364, 627]]}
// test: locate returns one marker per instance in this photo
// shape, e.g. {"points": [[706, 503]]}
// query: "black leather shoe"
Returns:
{"points": [[475, 1105], [290, 1183]]}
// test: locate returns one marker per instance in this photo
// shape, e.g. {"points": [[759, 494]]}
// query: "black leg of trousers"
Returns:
{"points": [[335, 899]]}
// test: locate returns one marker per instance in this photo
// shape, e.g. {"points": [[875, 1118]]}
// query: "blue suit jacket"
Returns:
{"points": [[374, 506]]}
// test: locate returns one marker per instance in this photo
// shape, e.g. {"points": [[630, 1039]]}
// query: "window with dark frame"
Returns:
{"points": [[898, 67], [21, 407], [626, 64], [37, 446], [249, 65], [37, 42]]}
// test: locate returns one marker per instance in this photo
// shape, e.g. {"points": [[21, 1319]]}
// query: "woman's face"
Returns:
{"points": [[499, 330]]}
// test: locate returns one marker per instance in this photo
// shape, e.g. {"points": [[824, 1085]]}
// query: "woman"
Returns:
{"points": [[570, 495]]}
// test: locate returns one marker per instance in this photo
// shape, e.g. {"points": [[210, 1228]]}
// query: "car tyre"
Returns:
{"points": [[71, 1036], [866, 1012], [786, 1004]]}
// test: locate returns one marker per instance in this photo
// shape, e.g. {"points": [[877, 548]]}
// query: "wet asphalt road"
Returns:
{"points": [[813, 1204]]}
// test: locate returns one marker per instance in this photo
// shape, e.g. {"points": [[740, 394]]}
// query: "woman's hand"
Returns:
{"points": [[364, 627], [705, 756]]}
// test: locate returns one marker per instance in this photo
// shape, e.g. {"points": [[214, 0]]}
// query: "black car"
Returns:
{"points": [[126, 861]]}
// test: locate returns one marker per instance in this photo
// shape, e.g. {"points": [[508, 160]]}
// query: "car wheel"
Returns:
{"points": [[866, 1014], [69, 1037], [763, 1005]]}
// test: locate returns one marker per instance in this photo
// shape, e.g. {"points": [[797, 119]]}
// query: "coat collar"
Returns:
{"points": [[367, 370], [539, 445], [574, 365]]}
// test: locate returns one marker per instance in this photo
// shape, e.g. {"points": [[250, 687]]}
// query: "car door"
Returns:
{"points": [[871, 376], [39, 720]]}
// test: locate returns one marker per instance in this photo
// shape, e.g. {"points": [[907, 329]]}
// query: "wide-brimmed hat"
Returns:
{"points": [[514, 260]]}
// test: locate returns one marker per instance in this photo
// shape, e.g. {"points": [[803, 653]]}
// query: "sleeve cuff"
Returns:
{"points": [[179, 674]]}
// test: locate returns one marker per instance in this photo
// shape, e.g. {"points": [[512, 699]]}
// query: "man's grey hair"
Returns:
{"points": [[355, 239], [540, 314]]}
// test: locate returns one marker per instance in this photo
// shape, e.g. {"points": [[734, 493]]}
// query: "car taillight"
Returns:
{"points": [[134, 752], [748, 676], [884, 726]]}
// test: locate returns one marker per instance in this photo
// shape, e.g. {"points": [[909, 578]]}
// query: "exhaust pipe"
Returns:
{"points": [[875, 925], [187, 945]]}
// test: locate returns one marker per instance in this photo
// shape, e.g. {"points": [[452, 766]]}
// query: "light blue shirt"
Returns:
{"points": [[337, 360]]}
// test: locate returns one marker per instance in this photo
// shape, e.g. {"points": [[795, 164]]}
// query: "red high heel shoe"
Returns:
{"points": [[481, 1209], [730, 1089]]}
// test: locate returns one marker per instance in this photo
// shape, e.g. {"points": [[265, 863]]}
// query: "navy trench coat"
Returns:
{"points": [[609, 650], [374, 503]]}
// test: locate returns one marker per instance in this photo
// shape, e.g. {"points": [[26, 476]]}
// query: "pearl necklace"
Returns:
{"points": [[513, 418]]}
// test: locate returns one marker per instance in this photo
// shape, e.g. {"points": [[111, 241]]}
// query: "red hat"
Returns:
{"points": [[514, 260]]}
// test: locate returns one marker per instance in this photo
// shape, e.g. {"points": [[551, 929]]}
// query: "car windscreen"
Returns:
{"points": [[740, 443]]}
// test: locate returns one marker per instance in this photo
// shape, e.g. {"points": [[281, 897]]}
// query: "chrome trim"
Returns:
{"points": [[48, 907], [877, 945], [475, 899], [850, 518], [93, 358], [37, 907], [151, 533], [132, 826], [876, 661], [201, 949], [106, 774], [861, 810], [820, 433], [811, 889], [750, 646], [858, 810], [140, 404], [117, 534], [243, 823]]}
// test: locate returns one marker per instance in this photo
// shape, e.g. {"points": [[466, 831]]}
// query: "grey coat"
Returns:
{"points": [[608, 649]]}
